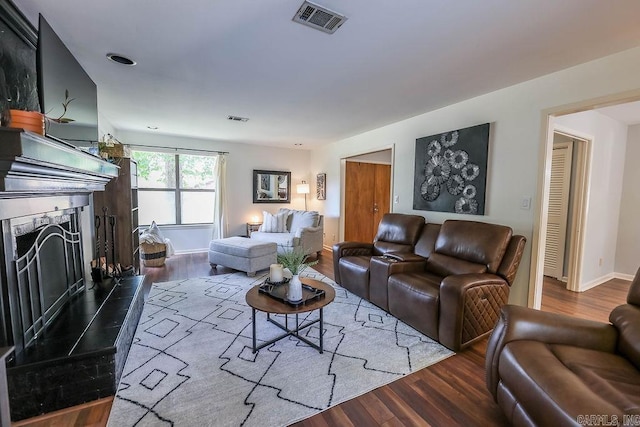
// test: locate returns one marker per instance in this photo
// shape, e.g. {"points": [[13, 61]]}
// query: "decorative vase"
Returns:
{"points": [[28, 120], [295, 289]]}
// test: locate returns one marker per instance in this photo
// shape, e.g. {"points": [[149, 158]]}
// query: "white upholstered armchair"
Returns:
{"points": [[292, 230]]}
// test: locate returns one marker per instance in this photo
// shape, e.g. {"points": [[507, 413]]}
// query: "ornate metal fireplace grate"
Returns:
{"points": [[49, 273]]}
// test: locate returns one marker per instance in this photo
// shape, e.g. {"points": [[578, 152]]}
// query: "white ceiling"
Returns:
{"points": [[202, 60], [626, 113]]}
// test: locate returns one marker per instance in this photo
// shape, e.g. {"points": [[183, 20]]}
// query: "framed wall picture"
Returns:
{"points": [[321, 186], [271, 186], [451, 171]]}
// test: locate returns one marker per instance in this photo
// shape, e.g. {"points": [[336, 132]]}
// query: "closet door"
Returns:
{"points": [[358, 208], [558, 210], [382, 194], [367, 199]]}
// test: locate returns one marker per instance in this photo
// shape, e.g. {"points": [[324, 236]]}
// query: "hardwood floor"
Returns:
{"points": [[594, 304], [94, 414], [451, 392]]}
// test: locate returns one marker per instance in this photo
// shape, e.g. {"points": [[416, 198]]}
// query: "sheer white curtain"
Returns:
{"points": [[220, 198]]}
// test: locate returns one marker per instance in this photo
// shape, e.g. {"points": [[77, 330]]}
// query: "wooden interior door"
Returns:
{"points": [[358, 206], [382, 195], [367, 198]]}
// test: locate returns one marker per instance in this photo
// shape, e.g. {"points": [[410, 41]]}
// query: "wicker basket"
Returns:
{"points": [[116, 151], [153, 254]]}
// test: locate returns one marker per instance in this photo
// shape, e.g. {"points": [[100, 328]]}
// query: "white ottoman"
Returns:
{"points": [[241, 253]]}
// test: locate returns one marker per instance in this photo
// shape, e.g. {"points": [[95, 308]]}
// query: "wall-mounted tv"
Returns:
{"points": [[59, 73]]}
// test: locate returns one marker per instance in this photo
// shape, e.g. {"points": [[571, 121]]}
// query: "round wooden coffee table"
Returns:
{"points": [[265, 303]]}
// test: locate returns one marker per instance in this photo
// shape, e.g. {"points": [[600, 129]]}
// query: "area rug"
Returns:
{"points": [[191, 362]]}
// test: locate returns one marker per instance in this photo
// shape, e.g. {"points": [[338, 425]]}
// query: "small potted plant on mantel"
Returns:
{"points": [[65, 106], [295, 262], [34, 121], [20, 105]]}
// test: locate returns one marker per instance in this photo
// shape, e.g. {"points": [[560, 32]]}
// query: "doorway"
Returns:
{"points": [[558, 212], [566, 207], [577, 234], [367, 194]]}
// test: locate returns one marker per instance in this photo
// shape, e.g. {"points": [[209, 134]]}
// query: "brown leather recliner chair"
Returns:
{"points": [[551, 369], [351, 260]]}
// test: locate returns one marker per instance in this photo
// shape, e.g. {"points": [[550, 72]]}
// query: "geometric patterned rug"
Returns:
{"points": [[191, 362]]}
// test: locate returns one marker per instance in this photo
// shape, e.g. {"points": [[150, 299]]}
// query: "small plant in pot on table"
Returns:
{"points": [[295, 262]]}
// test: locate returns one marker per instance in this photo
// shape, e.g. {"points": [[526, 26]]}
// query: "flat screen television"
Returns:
{"points": [[59, 73]]}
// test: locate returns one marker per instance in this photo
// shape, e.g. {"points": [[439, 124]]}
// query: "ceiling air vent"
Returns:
{"points": [[319, 17], [238, 119]]}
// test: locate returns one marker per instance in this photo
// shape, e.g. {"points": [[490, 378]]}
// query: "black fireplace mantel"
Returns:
{"points": [[79, 353], [34, 164], [40, 176]]}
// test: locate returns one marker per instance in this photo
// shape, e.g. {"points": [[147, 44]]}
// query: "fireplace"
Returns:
{"points": [[70, 336], [48, 265]]}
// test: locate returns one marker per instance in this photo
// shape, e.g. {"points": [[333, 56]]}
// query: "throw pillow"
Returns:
{"points": [[304, 219], [289, 213], [274, 223]]}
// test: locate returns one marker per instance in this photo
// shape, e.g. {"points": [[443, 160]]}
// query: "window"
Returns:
{"points": [[175, 188]]}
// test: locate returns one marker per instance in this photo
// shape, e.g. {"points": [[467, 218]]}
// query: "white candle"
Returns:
{"points": [[275, 273]]}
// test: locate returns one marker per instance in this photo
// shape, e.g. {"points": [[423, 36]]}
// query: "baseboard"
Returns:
{"points": [[327, 248], [599, 281], [191, 251], [623, 276], [605, 278]]}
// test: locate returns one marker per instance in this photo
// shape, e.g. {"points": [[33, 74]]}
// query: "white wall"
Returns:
{"points": [[242, 160], [380, 157], [516, 115], [605, 191], [628, 248], [104, 126]]}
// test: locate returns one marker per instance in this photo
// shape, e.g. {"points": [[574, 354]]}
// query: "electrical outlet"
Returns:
{"points": [[525, 203], [396, 199], [334, 237]]}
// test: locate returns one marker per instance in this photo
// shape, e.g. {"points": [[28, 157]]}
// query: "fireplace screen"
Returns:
{"points": [[49, 272]]}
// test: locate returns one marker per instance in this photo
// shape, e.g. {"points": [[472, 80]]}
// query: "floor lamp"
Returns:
{"points": [[303, 189]]}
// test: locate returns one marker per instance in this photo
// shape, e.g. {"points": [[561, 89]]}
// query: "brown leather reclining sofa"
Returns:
{"points": [[447, 281], [550, 369]]}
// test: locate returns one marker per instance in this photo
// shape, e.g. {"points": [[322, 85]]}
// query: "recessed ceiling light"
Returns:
{"points": [[152, 127], [121, 59]]}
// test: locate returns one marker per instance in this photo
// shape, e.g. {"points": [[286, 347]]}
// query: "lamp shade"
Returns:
{"points": [[303, 188]]}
